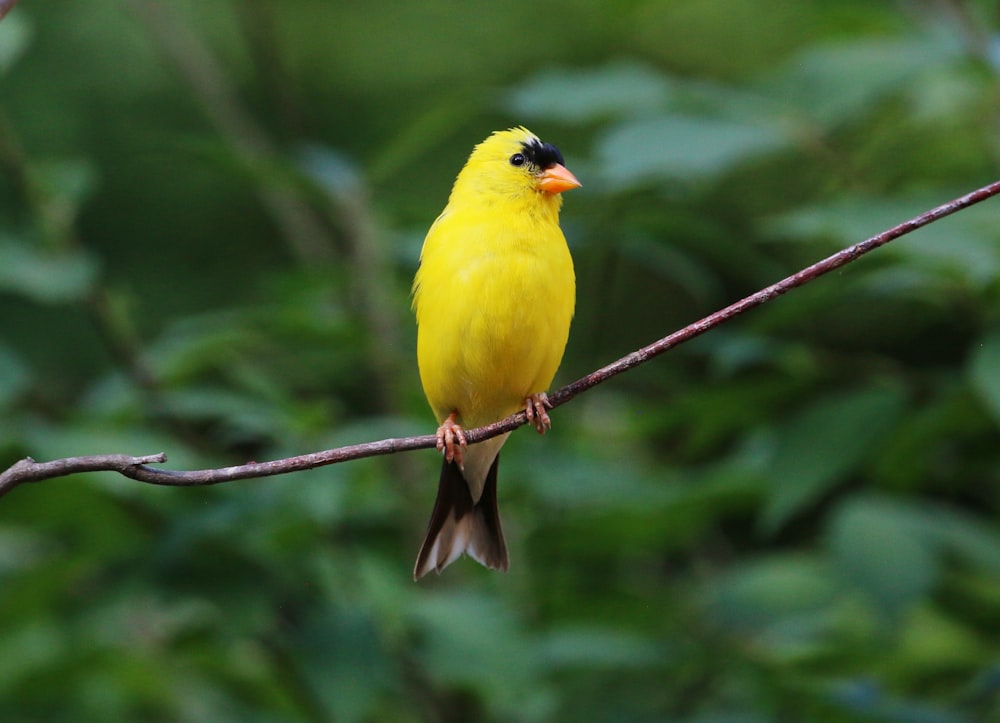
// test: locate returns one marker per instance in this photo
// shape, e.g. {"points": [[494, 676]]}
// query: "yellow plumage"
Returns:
{"points": [[493, 297]]}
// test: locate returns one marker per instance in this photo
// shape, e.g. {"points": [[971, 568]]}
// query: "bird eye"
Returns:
{"points": [[517, 159]]}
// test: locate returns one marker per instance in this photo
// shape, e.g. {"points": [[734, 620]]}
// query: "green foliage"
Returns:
{"points": [[43, 276], [793, 518]]}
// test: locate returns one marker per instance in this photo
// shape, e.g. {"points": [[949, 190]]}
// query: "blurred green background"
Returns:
{"points": [[210, 213]]}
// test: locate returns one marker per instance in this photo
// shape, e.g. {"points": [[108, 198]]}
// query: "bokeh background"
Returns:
{"points": [[210, 213]]}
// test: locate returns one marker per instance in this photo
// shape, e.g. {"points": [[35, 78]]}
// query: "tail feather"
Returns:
{"points": [[460, 525]]}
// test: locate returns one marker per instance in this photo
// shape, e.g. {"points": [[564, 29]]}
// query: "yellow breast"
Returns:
{"points": [[494, 297]]}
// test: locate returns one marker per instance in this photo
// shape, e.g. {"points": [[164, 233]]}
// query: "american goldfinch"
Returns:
{"points": [[494, 297]]}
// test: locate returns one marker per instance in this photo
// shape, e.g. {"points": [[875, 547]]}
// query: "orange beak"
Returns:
{"points": [[557, 179]]}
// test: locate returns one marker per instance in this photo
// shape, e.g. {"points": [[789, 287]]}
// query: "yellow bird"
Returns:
{"points": [[494, 297]]}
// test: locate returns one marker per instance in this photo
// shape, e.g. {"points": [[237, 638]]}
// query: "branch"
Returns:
{"points": [[28, 470]]}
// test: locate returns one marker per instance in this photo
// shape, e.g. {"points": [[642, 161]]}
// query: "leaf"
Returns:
{"points": [[993, 51], [964, 535], [568, 648], [50, 277], [21, 549], [579, 96], [14, 375], [882, 550], [15, 37], [824, 443], [330, 170], [732, 351], [673, 266], [771, 587], [783, 601], [984, 372], [742, 716], [582, 484], [65, 184], [842, 221], [963, 246], [470, 638], [838, 82], [344, 660], [933, 639], [865, 697], [29, 649], [678, 146]]}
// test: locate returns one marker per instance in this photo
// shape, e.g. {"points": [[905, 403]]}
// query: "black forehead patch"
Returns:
{"points": [[542, 155]]}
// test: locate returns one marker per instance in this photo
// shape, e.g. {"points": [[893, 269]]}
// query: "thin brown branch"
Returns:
{"points": [[27, 470]]}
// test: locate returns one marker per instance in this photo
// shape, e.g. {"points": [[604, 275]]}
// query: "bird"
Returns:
{"points": [[493, 296]]}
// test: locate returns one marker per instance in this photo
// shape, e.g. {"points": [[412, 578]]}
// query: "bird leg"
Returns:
{"points": [[535, 407], [447, 434]]}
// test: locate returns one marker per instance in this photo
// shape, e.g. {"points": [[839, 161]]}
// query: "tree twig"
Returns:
{"points": [[137, 468]]}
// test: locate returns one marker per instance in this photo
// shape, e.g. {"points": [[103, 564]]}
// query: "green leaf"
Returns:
{"points": [[838, 82], [467, 635], [580, 483], [933, 638], [14, 375], [824, 444], [15, 37], [882, 550], [962, 247], [771, 587], [984, 372], [568, 648], [865, 699], [580, 96], [343, 659], [673, 265], [476, 641], [66, 183], [681, 147], [20, 549], [782, 601], [842, 221], [964, 535], [29, 649], [743, 716], [49, 277], [330, 170]]}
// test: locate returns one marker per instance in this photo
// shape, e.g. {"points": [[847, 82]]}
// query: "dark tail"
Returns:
{"points": [[460, 525]]}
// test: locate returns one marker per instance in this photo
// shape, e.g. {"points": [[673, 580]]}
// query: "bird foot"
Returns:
{"points": [[535, 407], [448, 434]]}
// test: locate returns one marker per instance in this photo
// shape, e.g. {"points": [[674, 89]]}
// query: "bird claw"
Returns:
{"points": [[447, 434], [535, 407]]}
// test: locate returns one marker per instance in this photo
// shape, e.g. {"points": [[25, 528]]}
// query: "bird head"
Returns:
{"points": [[516, 163]]}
